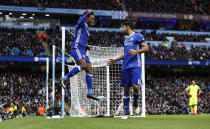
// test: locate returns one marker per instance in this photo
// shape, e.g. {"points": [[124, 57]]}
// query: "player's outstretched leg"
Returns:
{"points": [[73, 72]]}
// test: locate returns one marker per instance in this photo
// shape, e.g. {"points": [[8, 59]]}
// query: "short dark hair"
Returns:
{"points": [[130, 24], [86, 13]]}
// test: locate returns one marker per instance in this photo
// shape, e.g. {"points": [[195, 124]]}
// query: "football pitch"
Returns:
{"points": [[149, 122]]}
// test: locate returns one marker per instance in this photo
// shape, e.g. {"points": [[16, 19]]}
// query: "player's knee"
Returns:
{"points": [[126, 90], [84, 65], [89, 68], [85, 68]]}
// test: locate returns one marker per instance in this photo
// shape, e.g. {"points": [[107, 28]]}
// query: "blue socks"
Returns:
{"points": [[89, 83], [135, 99], [74, 71], [126, 99]]}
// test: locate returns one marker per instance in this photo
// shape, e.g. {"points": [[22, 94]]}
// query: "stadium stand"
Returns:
{"points": [[22, 89], [23, 93], [28, 43], [166, 102], [162, 6]]}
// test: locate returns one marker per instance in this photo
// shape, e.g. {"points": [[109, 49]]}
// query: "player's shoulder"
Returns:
{"points": [[189, 86], [79, 26], [198, 86], [138, 34]]}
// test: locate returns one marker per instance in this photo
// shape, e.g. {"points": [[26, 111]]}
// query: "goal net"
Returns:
{"points": [[106, 85]]}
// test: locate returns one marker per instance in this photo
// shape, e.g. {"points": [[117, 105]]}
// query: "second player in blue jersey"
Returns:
{"points": [[134, 45]]}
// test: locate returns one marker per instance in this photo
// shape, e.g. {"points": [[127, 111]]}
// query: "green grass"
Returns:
{"points": [[150, 122]]}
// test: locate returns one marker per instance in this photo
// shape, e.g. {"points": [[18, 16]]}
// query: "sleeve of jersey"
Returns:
{"points": [[139, 38], [82, 20], [188, 88]]}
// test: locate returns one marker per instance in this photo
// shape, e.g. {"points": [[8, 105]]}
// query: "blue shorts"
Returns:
{"points": [[130, 77], [79, 53]]}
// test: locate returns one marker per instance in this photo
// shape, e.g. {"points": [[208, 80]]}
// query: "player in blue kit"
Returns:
{"points": [[134, 45], [78, 50]]}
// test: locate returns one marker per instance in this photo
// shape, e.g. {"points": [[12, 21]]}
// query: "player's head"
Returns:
{"points": [[193, 82], [127, 26], [90, 18]]}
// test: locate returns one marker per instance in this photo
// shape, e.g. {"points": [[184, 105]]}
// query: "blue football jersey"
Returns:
{"points": [[132, 42], [81, 33]]}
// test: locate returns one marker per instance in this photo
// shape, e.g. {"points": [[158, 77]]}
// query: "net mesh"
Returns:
{"points": [[80, 104]]}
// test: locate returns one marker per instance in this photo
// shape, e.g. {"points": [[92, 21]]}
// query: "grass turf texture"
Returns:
{"points": [[150, 122]]}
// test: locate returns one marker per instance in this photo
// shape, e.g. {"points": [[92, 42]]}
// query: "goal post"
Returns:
{"points": [[143, 113], [106, 85]]}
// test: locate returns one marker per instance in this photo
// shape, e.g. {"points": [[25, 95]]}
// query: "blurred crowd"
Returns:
{"points": [[168, 6], [72, 4], [157, 24], [25, 42], [178, 53], [160, 6], [167, 95], [20, 42], [153, 36], [23, 94]]}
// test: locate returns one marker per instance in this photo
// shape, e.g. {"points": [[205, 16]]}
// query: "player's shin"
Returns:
{"points": [[74, 71], [135, 99], [191, 108], [126, 99], [195, 108], [89, 83]]}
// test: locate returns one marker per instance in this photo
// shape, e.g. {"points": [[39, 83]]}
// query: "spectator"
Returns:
{"points": [[161, 6], [41, 111], [25, 42], [166, 95]]}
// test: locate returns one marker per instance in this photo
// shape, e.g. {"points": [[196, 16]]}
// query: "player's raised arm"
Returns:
{"points": [[83, 18], [112, 61]]}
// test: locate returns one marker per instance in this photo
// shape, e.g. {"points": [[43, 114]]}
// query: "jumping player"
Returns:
{"points": [[78, 50]]}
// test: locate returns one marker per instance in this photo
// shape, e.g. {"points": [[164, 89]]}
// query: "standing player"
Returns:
{"points": [[78, 50], [134, 45], [193, 91]]}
